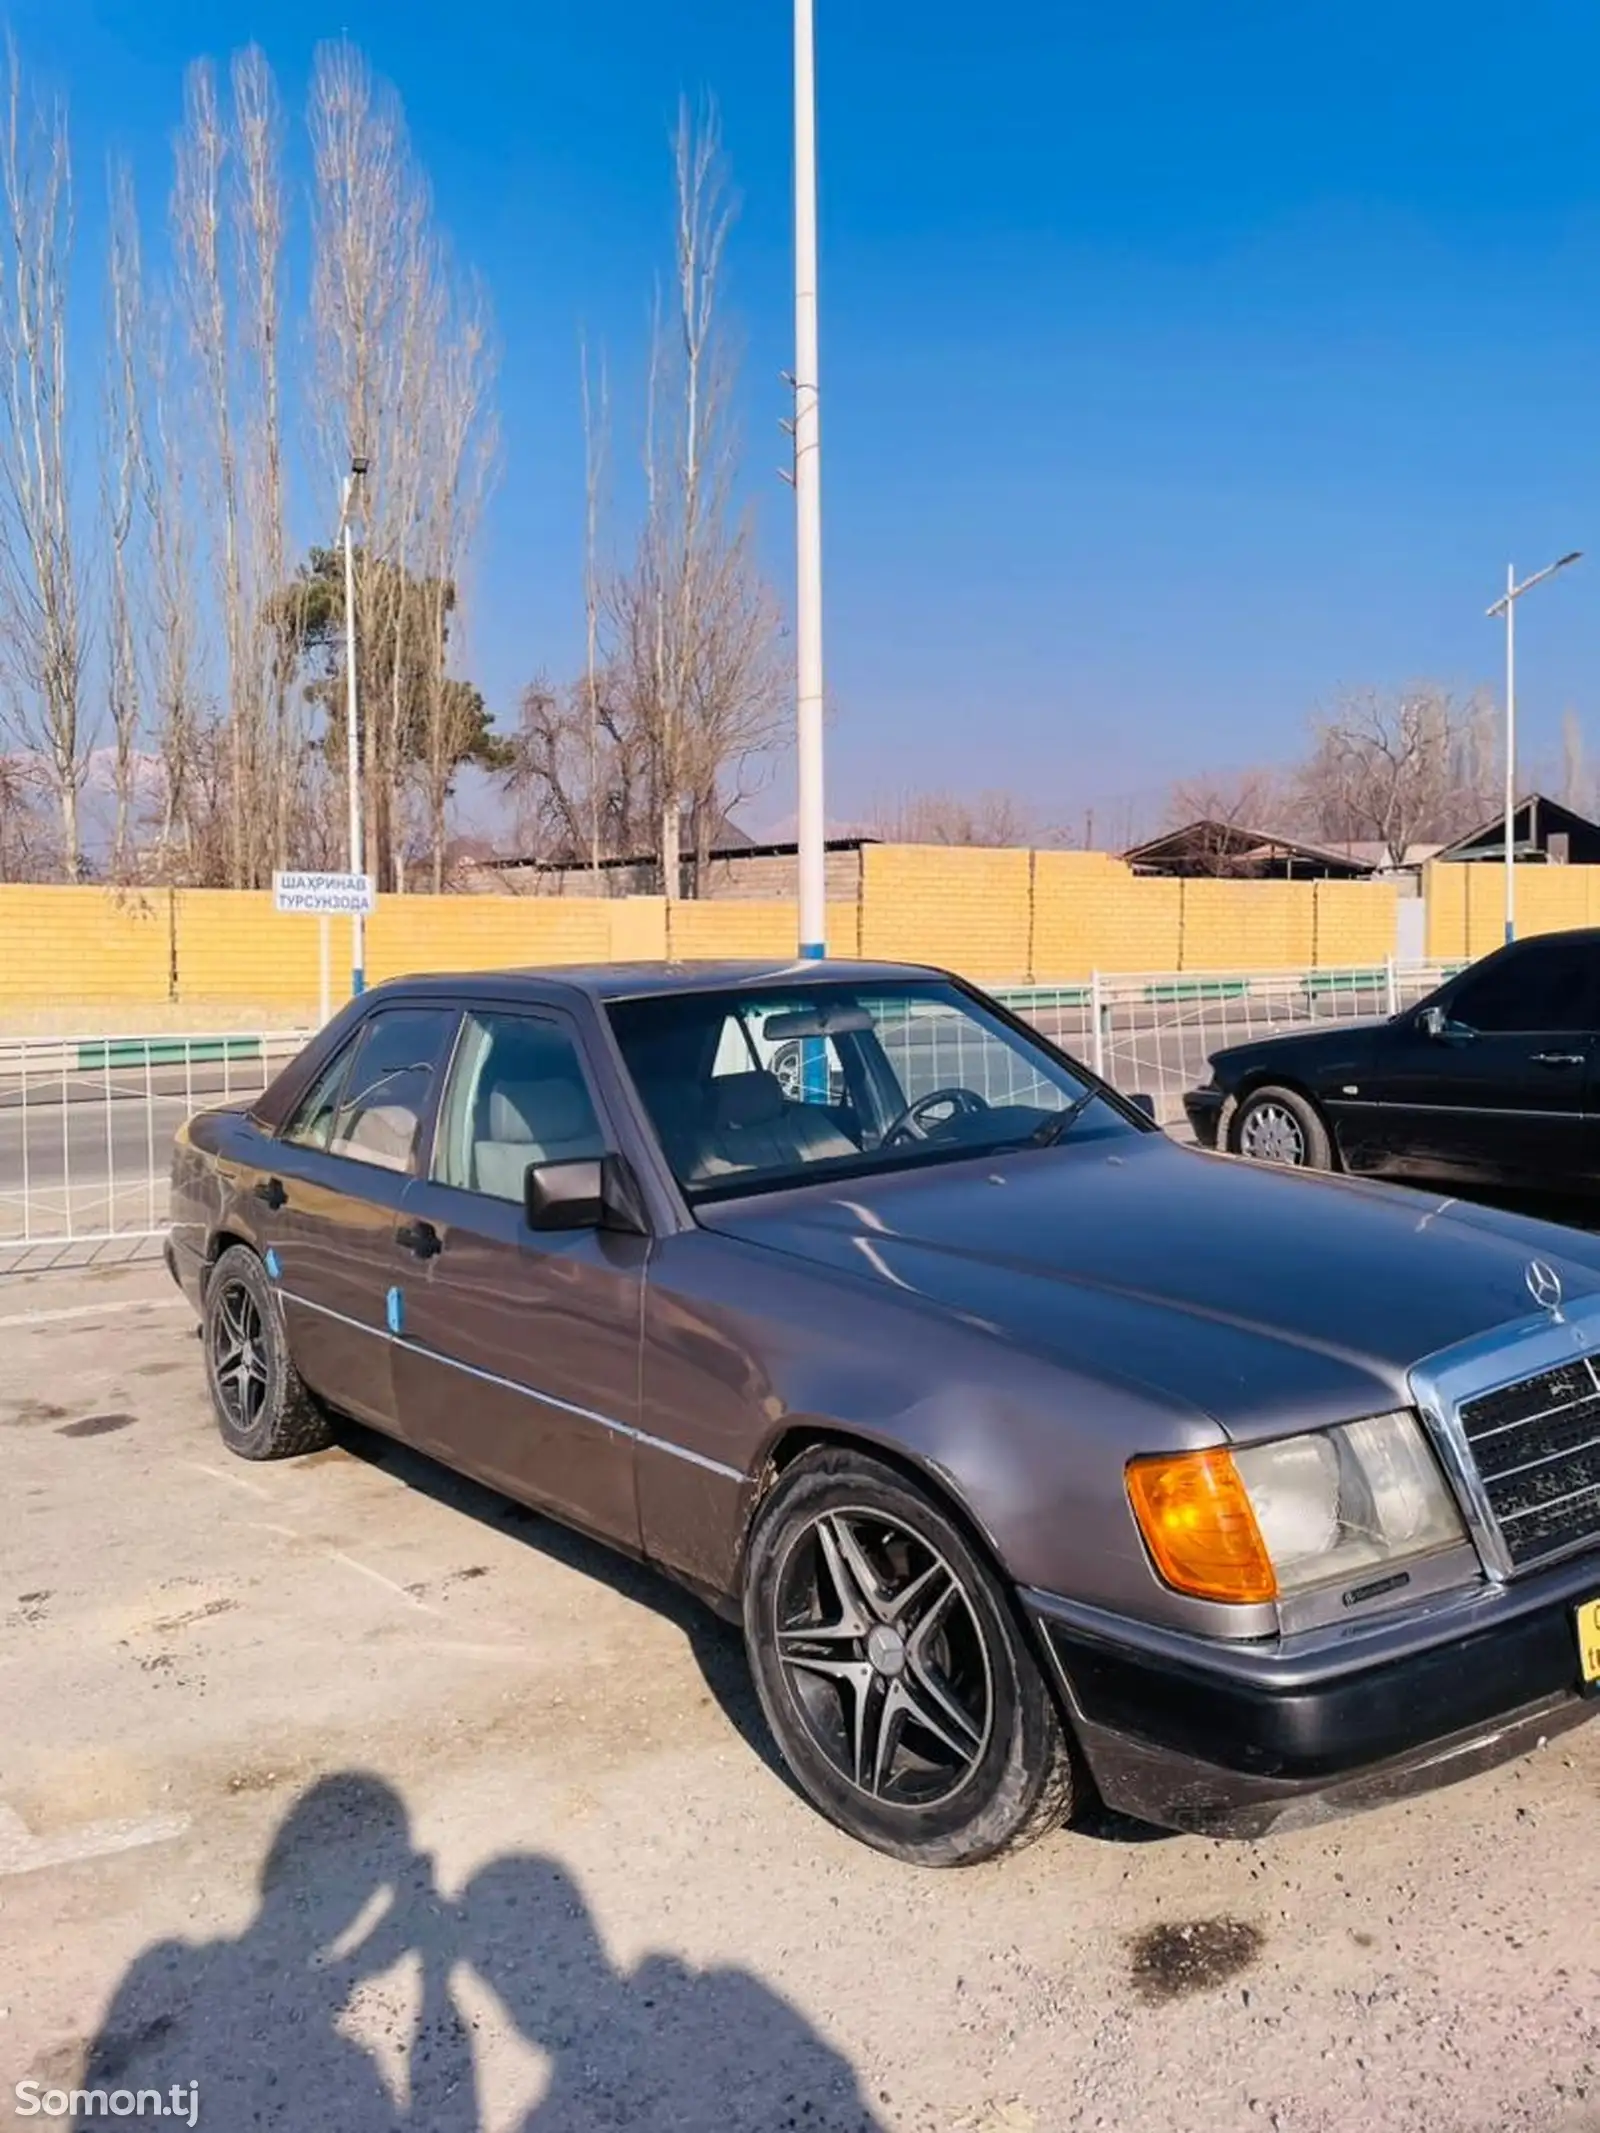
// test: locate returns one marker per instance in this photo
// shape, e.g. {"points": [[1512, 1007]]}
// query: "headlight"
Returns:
{"points": [[1269, 1520]]}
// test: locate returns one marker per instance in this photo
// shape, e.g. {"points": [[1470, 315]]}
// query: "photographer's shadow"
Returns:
{"points": [[260, 2023]]}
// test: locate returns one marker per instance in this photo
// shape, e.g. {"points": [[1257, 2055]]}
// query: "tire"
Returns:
{"points": [[944, 1745], [1284, 1121], [262, 1407]]}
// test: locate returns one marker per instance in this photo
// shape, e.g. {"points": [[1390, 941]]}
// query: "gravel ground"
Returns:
{"points": [[363, 1800]]}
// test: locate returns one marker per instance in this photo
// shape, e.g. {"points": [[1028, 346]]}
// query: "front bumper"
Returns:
{"points": [[1204, 1110], [1238, 1740]]}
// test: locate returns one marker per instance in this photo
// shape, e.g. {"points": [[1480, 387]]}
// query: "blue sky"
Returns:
{"points": [[1179, 366]]}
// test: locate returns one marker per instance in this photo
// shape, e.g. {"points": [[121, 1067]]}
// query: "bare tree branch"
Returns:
{"points": [[41, 592], [1400, 770]]}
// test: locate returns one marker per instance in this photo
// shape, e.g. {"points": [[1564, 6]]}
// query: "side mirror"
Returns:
{"points": [[1435, 1023], [1146, 1103], [585, 1192]]}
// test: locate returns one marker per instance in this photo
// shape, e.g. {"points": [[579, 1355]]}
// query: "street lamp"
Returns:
{"points": [[352, 725], [807, 497], [1507, 605]]}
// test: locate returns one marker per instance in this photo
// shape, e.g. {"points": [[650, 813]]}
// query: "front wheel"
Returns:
{"points": [[263, 1408], [1282, 1126], [893, 1671]]}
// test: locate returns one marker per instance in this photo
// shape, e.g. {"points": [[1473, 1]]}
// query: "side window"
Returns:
{"points": [[1540, 987], [383, 1099], [517, 1095], [311, 1125]]}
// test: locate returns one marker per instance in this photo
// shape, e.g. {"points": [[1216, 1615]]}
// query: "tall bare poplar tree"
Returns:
{"points": [[403, 374], [259, 235], [41, 603], [124, 484], [199, 214], [170, 587], [696, 627]]}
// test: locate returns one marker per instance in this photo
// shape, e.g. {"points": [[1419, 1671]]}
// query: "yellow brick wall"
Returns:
{"points": [[61, 944], [947, 904], [1100, 918], [1467, 905], [1248, 925], [994, 915], [701, 932], [1355, 923], [638, 929]]}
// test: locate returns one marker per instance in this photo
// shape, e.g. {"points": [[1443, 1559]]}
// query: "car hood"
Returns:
{"points": [[1260, 1298], [1307, 1044]]}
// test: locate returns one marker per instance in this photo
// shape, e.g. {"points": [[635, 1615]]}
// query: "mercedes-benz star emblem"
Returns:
{"points": [[1544, 1286]]}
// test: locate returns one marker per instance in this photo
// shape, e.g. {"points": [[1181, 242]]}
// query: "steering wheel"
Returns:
{"points": [[912, 1126]]}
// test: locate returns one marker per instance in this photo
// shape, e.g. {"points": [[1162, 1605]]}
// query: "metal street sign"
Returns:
{"points": [[324, 895]]}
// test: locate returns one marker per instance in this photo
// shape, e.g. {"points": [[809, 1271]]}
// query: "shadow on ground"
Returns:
{"points": [[261, 2024], [717, 1645]]}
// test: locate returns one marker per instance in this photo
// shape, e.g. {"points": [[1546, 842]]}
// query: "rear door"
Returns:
{"points": [[331, 1201], [518, 1357], [1500, 1094]]}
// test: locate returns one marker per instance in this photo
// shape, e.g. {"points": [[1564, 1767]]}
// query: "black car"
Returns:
{"points": [[1494, 1079]]}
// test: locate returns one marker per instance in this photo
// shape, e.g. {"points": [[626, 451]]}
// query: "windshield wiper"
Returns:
{"points": [[1057, 1128]]}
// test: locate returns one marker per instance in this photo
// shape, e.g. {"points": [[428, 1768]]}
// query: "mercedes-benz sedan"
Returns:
{"points": [[1037, 1456]]}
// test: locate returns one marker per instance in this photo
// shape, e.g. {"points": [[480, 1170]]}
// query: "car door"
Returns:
{"points": [[331, 1198], [518, 1353], [1493, 1086]]}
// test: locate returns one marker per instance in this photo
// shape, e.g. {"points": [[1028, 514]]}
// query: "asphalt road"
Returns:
{"points": [[366, 1800]]}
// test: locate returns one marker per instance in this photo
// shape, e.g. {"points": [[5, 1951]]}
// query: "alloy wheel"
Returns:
{"points": [[883, 1657], [1271, 1134], [239, 1356]]}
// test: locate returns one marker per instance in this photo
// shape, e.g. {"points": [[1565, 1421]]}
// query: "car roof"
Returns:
{"points": [[631, 981]]}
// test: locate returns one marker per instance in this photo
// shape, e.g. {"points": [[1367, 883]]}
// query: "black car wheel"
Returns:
{"points": [[263, 1409], [1282, 1126], [893, 1671]]}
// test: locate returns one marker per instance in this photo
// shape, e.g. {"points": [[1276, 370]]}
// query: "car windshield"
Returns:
{"points": [[754, 1091]]}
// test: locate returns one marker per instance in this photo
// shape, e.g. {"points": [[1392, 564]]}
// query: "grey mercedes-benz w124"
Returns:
{"points": [[1039, 1457]]}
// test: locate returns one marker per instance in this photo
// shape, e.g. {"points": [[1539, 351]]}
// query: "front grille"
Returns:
{"points": [[1537, 1447]]}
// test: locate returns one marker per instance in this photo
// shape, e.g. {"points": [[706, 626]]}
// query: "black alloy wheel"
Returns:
{"points": [[263, 1408], [893, 1671]]}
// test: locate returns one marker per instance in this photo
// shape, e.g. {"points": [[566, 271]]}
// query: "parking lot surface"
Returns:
{"points": [[363, 1799]]}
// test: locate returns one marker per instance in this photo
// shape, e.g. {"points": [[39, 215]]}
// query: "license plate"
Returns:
{"points": [[1589, 1642]]}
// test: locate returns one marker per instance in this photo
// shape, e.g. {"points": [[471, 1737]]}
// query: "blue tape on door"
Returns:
{"points": [[397, 1311], [274, 1268]]}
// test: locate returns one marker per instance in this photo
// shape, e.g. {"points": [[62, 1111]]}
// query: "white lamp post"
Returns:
{"points": [[808, 497], [1507, 605]]}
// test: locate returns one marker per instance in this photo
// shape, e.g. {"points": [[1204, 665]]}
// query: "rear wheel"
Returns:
{"points": [[893, 1670], [263, 1408], [1282, 1126]]}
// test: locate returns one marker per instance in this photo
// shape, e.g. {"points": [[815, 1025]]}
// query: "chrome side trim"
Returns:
{"points": [[356, 1325], [1401, 1103], [1486, 1363], [640, 1437]]}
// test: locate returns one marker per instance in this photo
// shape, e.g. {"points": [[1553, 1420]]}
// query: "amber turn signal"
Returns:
{"points": [[1198, 1524]]}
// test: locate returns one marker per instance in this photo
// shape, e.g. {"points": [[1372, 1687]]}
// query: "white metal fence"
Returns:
{"points": [[86, 1129], [1154, 1033], [86, 1124]]}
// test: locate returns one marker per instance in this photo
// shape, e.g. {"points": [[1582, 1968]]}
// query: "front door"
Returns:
{"points": [[331, 1199], [1499, 1093], [518, 1354]]}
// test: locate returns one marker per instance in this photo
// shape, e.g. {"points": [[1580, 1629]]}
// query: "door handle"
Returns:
{"points": [[1555, 1059], [420, 1238], [271, 1190]]}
